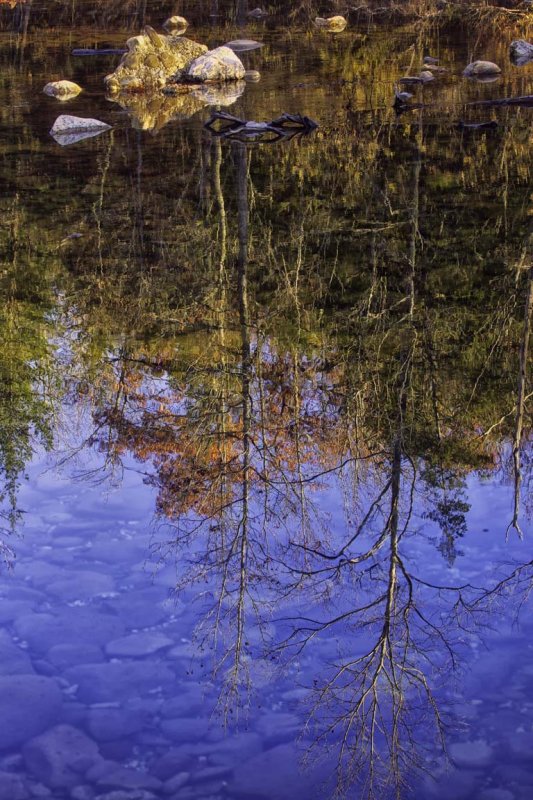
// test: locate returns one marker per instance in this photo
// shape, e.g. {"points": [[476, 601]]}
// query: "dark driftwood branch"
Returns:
{"points": [[524, 100]]}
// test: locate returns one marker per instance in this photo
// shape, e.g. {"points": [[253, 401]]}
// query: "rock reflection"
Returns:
{"points": [[152, 112]]}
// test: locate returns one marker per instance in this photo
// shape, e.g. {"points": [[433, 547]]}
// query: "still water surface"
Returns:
{"points": [[265, 440]]}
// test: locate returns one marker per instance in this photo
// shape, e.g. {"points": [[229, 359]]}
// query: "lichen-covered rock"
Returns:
{"points": [[521, 51], [331, 24], [221, 64], [176, 25], [63, 90], [480, 69], [150, 61]]}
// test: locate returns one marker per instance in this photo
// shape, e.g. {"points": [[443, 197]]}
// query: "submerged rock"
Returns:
{"points": [[331, 24], [69, 626], [176, 26], [221, 64], [252, 76], [30, 704], [63, 90], [117, 681], [13, 660], [137, 645], [60, 756], [242, 45], [481, 68], [521, 52], [257, 13], [151, 59]]}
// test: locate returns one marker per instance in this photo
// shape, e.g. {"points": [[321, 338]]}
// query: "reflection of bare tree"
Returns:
{"points": [[521, 402], [239, 427]]}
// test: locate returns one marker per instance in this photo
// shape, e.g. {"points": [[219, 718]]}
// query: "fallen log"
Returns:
{"points": [[107, 51], [524, 100]]}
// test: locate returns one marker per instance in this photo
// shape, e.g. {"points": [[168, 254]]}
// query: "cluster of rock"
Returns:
{"points": [[153, 61]]}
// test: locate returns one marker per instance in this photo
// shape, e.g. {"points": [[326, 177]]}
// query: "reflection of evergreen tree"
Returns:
{"points": [[25, 362]]}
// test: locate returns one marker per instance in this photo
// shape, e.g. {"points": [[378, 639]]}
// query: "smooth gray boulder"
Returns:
{"points": [[220, 64], [480, 69], [60, 756], [29, 705], [521, 52], [118, 681]]}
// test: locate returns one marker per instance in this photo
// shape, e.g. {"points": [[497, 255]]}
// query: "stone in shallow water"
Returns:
{"points": [[30, 704], [140, 644], [175, 760], [13, 787], [235, 749], [68, 626], [108, 724], [276, 773], [176, 782], [82, 585], [186, 729], [13, 660], [455, 784], [11, 609], [124, 778], [278, 728], [471, 754], [117, 681], [59, 756], [495, 794], [141, 608], [63, 656], [521, 746]]}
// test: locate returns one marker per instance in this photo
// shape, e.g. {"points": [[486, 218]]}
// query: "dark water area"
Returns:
{"points": [[265, 423]]}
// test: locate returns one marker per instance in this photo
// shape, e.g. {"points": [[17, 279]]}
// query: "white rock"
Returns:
{"points": [[220, 64], [68, 129]]}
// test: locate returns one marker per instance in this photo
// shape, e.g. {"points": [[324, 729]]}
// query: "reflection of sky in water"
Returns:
{"points": [[105, 531]]}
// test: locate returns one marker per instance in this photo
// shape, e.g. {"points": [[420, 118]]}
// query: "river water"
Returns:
{"points": [[265, 425]]}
